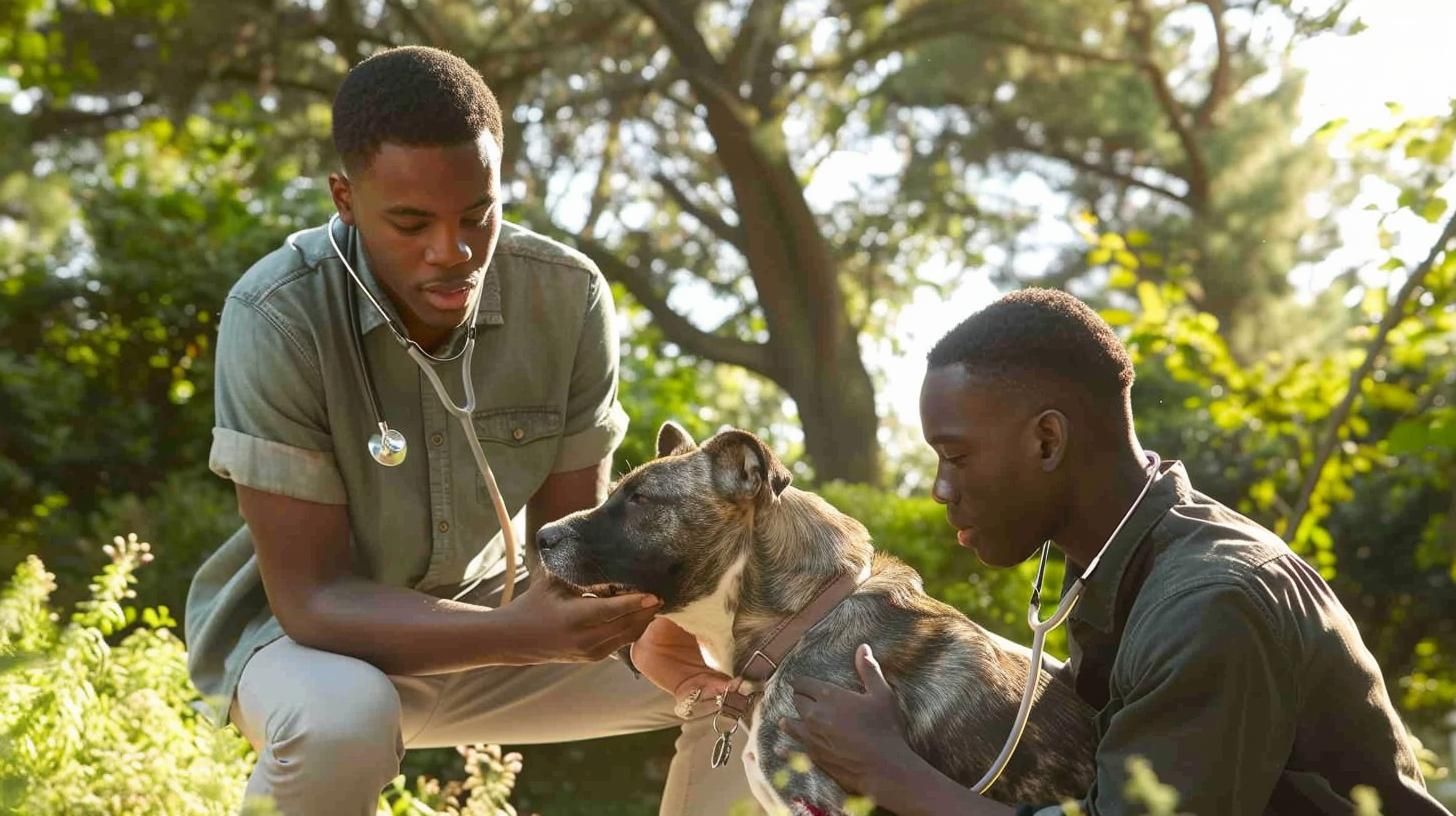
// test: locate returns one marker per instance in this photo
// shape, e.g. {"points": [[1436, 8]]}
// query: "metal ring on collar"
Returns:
{"points": [[716, 730]]}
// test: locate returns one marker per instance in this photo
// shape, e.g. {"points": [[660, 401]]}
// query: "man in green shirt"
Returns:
{"points": [[1208, 647], [349, 618]]}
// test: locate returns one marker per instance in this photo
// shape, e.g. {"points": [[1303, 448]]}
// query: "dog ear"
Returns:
{"points": [[673, 438], [746, 465]]}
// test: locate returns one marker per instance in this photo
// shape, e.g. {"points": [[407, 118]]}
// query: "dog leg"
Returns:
{"points": [[781, 777]]}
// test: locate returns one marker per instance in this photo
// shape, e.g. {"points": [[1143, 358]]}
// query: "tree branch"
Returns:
{"points": [[676, 328], [416, 20], [1013, 136], [55, 121], [1218, 83], [1055, 49], [237, 74], [691, 51], [920, 25], [752, 56], [602, 189], [347, 33], [711, 220], [1388, 321], [1140, 26]]}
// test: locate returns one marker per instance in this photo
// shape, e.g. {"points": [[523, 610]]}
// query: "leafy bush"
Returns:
{"points": [[95, 726], [97, 716], [914, 529]]}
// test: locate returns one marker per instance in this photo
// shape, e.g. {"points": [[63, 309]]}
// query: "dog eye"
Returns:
{"points": [[636, 498]]}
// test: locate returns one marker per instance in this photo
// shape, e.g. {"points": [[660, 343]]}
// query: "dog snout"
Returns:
{"points": [[550, 536]]}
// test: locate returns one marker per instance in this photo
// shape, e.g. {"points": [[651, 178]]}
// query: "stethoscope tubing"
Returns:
{"points": [[463, 413], [1041, 628]]}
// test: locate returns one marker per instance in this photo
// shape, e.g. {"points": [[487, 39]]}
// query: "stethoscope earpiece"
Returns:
{"points": [[388, 447]]}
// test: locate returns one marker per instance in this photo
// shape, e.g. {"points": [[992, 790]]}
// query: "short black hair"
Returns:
{"points": [[412, 95], [1040, 332]]}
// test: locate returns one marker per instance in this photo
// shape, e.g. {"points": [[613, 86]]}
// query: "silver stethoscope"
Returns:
{"points": [[388, 446], [1040, 628]]}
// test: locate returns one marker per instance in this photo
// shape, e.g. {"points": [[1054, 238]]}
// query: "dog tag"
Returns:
{"points": [[722, 750]]}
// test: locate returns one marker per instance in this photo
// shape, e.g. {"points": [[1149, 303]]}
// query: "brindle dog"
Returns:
{"points": [[717, 533]]}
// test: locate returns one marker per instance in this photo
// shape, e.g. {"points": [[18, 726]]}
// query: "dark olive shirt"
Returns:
{"points": [[1216, 653]]}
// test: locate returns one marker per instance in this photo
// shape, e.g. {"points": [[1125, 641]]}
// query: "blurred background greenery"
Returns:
{"points": [[790, 197]]}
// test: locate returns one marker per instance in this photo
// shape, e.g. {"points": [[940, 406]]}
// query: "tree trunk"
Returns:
{"points": [[813, 347], [840, 424]]}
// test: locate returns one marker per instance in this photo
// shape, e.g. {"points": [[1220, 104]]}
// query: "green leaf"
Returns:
{"points": [[1154, 308], [1433, 209], [1117, 317], [1421, 434], [1121, 278]]}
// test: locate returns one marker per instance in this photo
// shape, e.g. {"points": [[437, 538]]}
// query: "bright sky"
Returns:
{"points": [[1403, 56]]}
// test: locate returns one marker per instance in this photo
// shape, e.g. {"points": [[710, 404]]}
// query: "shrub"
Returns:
{"points": [[97, 715], [95, 726]]}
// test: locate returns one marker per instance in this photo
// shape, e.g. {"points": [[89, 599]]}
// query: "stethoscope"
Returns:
{"points": [[388, 446], [1040, 628]]}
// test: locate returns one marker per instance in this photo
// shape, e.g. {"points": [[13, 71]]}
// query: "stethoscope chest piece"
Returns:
{"points": [[388, 447]]}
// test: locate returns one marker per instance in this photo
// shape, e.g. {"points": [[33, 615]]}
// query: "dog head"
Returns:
{"points": [[674, 526]]}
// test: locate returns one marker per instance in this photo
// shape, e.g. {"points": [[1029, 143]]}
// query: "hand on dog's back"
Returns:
{"points": [[550, 623]]}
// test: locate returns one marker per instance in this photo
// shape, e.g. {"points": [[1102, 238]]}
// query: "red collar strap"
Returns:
{"points": [[734, 704]]}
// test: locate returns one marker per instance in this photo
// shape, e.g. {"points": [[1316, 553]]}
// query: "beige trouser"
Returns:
{"points": [[331, 730]]}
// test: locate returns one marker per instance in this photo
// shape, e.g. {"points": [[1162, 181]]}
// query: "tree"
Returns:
{"points": [[678, 142]]}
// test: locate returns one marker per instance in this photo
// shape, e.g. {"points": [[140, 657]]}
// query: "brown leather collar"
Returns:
{"points": [[734, 704]]}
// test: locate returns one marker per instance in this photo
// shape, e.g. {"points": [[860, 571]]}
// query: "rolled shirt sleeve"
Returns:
{"points": [[1208, 699], [271, 429], [595, 422]]}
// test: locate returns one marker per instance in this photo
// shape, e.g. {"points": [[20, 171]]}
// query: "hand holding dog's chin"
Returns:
{"points": [[550, 624]]}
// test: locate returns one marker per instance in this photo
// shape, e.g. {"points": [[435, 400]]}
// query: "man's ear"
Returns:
{"points": [[744, 468], [1050, 431], [343, 195], [672, 438]]}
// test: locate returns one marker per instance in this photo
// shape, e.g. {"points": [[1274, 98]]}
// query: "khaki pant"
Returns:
{"points": [[331, 730]]}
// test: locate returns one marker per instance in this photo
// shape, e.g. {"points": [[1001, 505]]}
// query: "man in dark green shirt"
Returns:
{"points": [[1208, 647]]}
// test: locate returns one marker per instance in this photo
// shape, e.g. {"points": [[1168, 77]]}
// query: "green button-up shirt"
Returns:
{"points": [[1216, 653], [293, 417]]}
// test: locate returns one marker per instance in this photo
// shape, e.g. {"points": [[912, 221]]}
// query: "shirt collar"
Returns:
{"points": [[1099, 595], [489, 313]]}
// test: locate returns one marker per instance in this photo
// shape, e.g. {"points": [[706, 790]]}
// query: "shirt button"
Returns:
{"points": [[518, 434], [437, 439], [444, 526]]}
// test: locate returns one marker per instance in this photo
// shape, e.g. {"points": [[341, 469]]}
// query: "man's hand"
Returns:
{"points": [[549, 623], [853, 737], [670, 658]]}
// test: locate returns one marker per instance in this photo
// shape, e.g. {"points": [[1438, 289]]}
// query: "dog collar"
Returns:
{"points": [[734, 705]]}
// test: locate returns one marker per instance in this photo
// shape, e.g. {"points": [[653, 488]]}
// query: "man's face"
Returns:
{"points": [[990, 475], [429, 218]]}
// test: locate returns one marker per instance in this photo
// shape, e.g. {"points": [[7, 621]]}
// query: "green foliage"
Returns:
{"points": [[1376, 518], [122, 334], [915, 530], [97, 721], [97, 715], [489, 777]]}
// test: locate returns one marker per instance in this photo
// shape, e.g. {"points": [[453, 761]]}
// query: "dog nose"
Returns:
{"points": [[548, 537]]}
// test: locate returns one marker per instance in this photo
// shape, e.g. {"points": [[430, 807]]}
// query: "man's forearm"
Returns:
{"points": [[910, 786], [402, 631]]}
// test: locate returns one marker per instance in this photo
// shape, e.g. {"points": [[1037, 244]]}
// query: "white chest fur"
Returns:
{"points": [[710, 618]]}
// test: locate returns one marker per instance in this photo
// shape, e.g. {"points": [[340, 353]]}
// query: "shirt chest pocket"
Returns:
{"points": [[517, 427]]}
